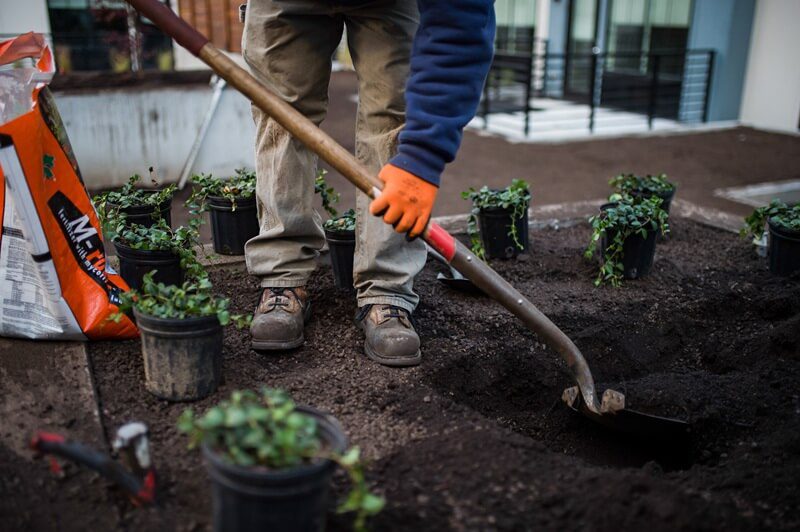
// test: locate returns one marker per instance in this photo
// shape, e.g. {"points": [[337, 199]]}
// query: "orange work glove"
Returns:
{"points": [[406, 201]]}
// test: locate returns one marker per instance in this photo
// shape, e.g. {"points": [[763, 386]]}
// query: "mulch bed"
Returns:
{"points": [[476, 438]]}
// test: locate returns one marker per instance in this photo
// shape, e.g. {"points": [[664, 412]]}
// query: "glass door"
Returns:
{"points": [[581, 39]]}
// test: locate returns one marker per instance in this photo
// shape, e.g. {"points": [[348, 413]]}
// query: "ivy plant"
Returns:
{"points": [[515, 197], [130, 195], [781, 215], [183, 241], [329, 196], [327, 193], [626, 217], [241, 185], [265, 430], [345, 222], [648, 185], [193, 299]]}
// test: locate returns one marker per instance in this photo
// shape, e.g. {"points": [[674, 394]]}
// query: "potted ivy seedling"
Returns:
{"points": [[783, 226], [498, 222], [626, 231], [137, 205], [171, 253], [645, 186], [340, 233], [232, 206], [181, 331], [271, 462]]}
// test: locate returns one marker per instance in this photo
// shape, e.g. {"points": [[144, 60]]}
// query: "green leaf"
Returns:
{"points": [[213, 418], [352, 503], [351, 457], [186, 420], [235, 416], [372, 504]]}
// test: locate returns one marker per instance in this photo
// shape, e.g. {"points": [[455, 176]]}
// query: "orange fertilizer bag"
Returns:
{"points": [[54, 281]]}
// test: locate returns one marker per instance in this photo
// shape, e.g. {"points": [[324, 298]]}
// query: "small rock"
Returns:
{"points": [[426, 399]]}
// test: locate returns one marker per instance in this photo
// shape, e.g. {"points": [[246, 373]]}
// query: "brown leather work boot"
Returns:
{"points": [[280, 318], [391, 338]]}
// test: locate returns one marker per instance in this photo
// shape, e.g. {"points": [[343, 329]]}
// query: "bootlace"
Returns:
{"points": [[393, 312], [277, 297], [388, 311]]}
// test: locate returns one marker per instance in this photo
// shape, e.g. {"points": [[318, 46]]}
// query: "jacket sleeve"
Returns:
{"points": [[450, 58]]}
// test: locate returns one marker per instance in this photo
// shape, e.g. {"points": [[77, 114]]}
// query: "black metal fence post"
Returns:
{"points": [[653, 103], [528, 95], [485, 104], [592, 84], [544, 68], [709, 74]]}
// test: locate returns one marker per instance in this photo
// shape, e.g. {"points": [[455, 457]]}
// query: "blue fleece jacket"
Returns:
{"points": [[450, 59]]}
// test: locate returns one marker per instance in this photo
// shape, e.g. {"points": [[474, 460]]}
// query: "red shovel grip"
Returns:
{"points": [[171, 24]]}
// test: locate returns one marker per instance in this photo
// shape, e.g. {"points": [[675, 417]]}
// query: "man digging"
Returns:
{"points": [[422, 63]]}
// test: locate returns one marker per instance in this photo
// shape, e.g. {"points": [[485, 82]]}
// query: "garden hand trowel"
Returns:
{"points": [[611, 411]]}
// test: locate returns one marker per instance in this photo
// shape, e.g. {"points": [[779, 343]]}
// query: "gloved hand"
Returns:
{"points": [[406, 201]]}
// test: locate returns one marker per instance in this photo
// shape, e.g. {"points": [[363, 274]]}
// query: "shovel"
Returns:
{"points": [[454, 280], [610, 409]]}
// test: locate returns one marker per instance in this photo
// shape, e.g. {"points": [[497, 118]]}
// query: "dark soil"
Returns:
{"points": [[476, 438]]}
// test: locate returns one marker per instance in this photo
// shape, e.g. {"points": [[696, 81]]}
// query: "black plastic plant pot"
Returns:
{"points": [[182, 357], [784, 249], [637, 251], [342, 245], [135, 263], [231, 228], [249, 499], [143, 214], [495, 226]]}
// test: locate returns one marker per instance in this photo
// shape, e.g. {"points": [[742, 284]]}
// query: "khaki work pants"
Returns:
{"points": [[289, 46]]}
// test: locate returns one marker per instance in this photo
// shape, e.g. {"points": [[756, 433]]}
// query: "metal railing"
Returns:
{"points": [[518, 70], [672, 85]]}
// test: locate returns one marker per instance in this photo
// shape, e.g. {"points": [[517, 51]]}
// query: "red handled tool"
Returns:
{"points": [[138, 480]]}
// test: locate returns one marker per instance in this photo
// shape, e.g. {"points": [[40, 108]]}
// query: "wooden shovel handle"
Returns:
{"points": [[171, 24]]}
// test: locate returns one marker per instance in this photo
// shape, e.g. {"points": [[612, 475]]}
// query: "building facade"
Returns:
{"points": [[755, 77]]}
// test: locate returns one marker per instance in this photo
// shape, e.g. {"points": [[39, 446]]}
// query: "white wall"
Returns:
{"points": [[117, 133], [772, 83], [22, 16]]}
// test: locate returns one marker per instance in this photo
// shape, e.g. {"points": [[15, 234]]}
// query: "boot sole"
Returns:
{"points": [[395, 362], [268, 345]]}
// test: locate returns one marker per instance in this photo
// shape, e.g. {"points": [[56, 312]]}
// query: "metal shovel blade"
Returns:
{"points": [[455, 280], [615, 415], [458, 282]]}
